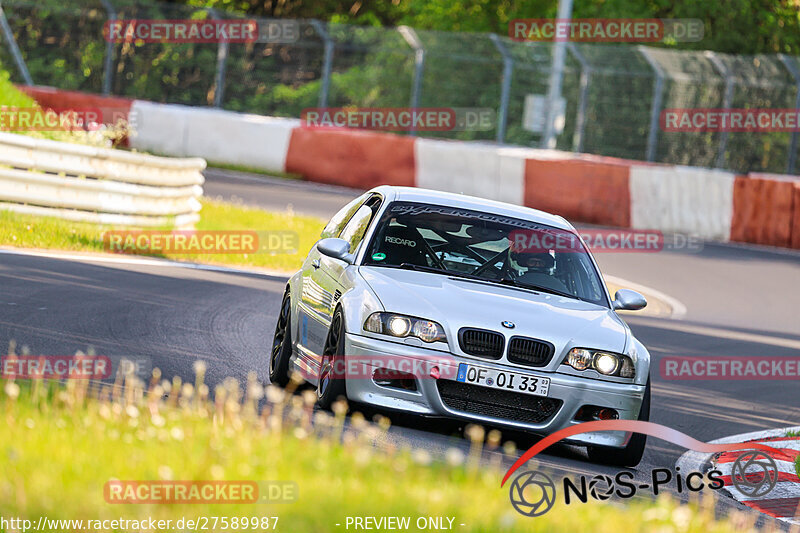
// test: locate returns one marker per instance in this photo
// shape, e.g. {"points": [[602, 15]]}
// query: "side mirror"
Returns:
{"points": [[628, 300], [337, 249]]}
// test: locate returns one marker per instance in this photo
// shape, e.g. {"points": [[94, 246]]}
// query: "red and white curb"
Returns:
{"points": [[783, 501]]}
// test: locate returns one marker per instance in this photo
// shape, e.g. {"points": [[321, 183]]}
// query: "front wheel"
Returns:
{"points": [[331, 384], [281, 345], [630, 455]]}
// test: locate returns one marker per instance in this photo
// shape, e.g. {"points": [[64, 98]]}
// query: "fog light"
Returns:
{"points": [[394, 379], [607, 414], [589, 413], [605, 363]]}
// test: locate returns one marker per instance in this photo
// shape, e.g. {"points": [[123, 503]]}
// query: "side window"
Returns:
{"points": [[354, 230], [337, 223]]}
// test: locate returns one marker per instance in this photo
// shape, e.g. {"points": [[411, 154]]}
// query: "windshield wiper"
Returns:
{"points": [[515, 283], [434, 270]]}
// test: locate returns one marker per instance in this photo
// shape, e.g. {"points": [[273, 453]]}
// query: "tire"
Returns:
{"points": [[630, 455], [281, 345], [330, 386]]}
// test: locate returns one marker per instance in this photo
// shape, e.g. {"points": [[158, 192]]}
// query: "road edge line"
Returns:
{"points": [[138, 260]]}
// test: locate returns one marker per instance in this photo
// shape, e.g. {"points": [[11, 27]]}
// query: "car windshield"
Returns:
{"points": [[487, 247]]}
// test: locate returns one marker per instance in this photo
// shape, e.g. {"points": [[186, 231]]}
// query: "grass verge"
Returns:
{"points": [[26, 231], [63, 442]]}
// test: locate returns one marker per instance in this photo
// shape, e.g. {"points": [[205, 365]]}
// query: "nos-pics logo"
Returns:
{"points": [[533, 493]]}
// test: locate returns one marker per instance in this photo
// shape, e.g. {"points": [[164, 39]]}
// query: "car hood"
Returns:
{"points": [[457, 302]]}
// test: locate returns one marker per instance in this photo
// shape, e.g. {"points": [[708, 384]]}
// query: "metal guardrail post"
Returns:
{"points": [[222, 60], [413, 41], [793, 70], [108, 60], [726, 102], [549, 137], [585, 80], [12, 44], [505, 91], [655, 109], [327, 62]]}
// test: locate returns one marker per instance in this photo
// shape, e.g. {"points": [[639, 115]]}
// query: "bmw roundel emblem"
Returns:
{"points": [[507, 324]]}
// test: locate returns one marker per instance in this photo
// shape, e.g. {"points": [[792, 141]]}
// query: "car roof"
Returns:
{"points": [[449, 199]]}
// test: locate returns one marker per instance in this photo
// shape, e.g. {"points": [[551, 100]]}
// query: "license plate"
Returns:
{"points": [[503, 380]]}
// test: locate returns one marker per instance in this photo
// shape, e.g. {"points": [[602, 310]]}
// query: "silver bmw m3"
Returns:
{"points": [[451, 306]]}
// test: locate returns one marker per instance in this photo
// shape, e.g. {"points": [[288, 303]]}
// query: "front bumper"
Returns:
{"points": [[572, 392]]}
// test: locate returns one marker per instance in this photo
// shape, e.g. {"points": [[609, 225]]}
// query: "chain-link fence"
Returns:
{"points": [[613, 94]]}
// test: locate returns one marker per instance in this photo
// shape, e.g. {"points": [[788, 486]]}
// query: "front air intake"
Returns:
{"points": [[481, 343]]}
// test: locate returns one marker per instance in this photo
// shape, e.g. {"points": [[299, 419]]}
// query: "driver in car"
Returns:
{"points": [[534, 268]]}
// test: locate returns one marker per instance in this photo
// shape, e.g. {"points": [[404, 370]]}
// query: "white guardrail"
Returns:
{"points": [[101, 185]]}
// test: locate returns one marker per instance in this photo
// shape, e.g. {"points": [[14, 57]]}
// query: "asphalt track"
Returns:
{"points": [[279, 194], [740, 301]]}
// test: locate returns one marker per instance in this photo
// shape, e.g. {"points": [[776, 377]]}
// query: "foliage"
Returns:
{"points": [[737, 26]]}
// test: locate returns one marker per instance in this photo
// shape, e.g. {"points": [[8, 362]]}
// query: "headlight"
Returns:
{"points": [[405, 326], [579, 359], [606, 363], [399, 326]]}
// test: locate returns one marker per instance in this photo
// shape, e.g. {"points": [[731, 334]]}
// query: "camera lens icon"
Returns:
{"points": [[532, 493], [754, 473]]}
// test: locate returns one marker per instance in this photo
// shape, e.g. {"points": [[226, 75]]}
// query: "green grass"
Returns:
{"points": [[62, 442], [225, 216], [795, 433], [10, 95], [25, 231]]}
